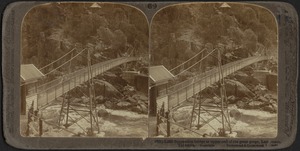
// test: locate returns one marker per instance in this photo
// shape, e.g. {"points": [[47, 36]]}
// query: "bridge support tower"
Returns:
{"points": [[222, 109]]}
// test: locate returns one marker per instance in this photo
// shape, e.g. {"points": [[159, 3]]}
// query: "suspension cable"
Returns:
{"points": [[197, 62], [187, 60], [66, 62], [57, 59]]}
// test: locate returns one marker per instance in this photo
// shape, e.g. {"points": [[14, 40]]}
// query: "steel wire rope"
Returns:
{"points": [[57, 59], [196, 62], [59, 67], [65, 62], [187, 60], [191, 67]]}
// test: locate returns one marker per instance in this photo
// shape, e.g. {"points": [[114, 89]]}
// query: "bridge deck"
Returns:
{"points": [[54, 89], [186, 89]]}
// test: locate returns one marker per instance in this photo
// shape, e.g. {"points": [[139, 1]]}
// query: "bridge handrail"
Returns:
{"points": [[223, 67], [72, 75], [206, 72], [197, 76]]}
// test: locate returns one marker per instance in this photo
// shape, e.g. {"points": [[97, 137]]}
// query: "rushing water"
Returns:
{"points": [[255, 123]]}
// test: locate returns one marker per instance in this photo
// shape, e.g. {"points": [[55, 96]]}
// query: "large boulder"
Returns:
{"points": [[208, 100], [76, 100], [132, 100], [140, 97], [260, 90], [144, 108], [140, 108], [275, 107], [105, 88], [255, 105], [123, 105], [100, 99], [137, 109], [237, 89], [182, 115], [210, 91], [245, 78], [234, 113], [270, 108], [263, 99], [85, 99], [271, 96], [102, 112], [217, 100], [241, 104], [232, 99], [139, 102], [109, 104], [143, 98]]}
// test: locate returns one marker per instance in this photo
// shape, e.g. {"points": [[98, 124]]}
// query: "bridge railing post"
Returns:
{"points": [[168, 100], [233, 68], [69, 84], [215, 77], [47, 96], [37, 100], [55, 93], [227, 71], [79, 78], [177, 97], [168, 124], [205, 80], [84, 75], [186, 93], [200, 85], [211, 78], [193, 88]]}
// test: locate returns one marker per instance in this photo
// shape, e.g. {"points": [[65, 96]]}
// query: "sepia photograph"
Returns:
{"points": [[213, 71], [83, 71], [149, 75]]}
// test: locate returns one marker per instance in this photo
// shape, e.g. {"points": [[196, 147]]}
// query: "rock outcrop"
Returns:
{"points": [[237, 89]]}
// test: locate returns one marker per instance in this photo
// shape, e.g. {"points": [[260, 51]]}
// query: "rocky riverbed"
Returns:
{"points": [[112, 123], [120, 109], [252, 110]]}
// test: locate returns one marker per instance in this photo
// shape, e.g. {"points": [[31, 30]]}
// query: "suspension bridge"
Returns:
{"points": [[176, 94], [182, 91], [50, 91]]}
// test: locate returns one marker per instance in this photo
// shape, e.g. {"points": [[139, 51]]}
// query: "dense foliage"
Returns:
{"points": [[111, 30], [179, 32]]}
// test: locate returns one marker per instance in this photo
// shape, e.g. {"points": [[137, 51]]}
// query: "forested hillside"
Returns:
{"points": [[109, 31], [179, 32]]}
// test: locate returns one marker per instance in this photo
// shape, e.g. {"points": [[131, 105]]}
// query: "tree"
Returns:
{"points": [[249, 41]]}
